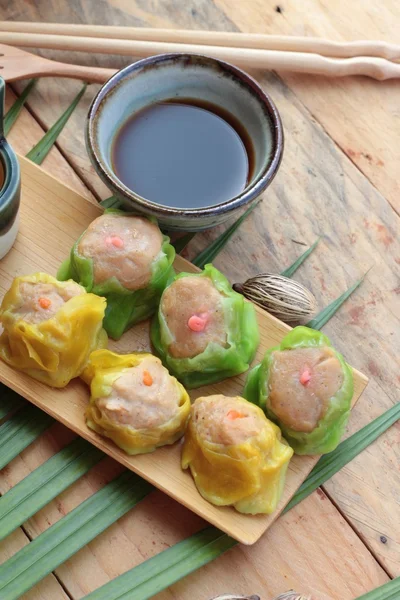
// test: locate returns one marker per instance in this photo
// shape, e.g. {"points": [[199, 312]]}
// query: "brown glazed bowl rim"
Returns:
{"points": [[250, 193]]}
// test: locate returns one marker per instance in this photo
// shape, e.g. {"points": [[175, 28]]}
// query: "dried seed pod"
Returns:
{"points": [[291, 595], [284, 298], [236, 597]]}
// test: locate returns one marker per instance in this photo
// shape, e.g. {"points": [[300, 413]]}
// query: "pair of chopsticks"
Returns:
{"points": [[297, 54]]}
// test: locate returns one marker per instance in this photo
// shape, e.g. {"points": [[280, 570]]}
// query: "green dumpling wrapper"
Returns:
{"points": [[125, 306], [225, 356], [312, 425]]}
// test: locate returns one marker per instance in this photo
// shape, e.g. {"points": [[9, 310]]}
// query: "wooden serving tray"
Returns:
{"points": [[52, 218]]}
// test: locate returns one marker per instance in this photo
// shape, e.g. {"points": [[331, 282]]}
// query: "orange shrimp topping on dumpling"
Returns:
{"points": [[143, 397], [301, 383], [123, 247], [50, 327], [135, 401], [236, 455], [192, 308], [41, 301]]}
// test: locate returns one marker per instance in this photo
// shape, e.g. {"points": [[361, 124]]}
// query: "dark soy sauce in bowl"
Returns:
{"points": [[183, 154]]}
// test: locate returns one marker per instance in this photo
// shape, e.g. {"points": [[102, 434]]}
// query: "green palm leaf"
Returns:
{"points": [[45, 483], [111, 202], [9, 401], [15, 109], [158, 572], [293, 268], [45, 553], [387, 591], [209, 254], [331, 463], [327, 313], [161, 571], [20, 431], [43, 147], [181, 243]]}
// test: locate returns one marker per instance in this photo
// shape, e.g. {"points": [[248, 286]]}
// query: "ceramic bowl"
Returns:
{"points": [[10, 187], [167, 76]]}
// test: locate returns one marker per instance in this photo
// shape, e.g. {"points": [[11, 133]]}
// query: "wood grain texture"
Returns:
{"points": [[367, 131], [18, 65], [24, 135], [48, 588], [41, 245], [302, 559], [316, 191], [108, 552], [336, 104]]}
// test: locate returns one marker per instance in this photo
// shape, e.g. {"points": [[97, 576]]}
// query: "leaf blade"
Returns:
{"points": [[45, 483], [209, 254], [161, 571], [181, 243], [144, 581], [331, 463], [39, 152], [13, 112], [68, 535], [110, 202], [9, 401], [327, 313], [297, 263], [387, 591], [20, 431]]}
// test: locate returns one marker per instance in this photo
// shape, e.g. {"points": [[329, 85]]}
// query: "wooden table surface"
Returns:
{"points": [[340, 179]]}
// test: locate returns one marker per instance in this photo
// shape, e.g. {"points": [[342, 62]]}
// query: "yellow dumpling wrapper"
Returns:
{"points": [[248, 475], [54, 350], [104, 370]]}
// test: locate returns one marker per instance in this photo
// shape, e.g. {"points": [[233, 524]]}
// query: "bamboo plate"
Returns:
{"points": [[52, 218]]}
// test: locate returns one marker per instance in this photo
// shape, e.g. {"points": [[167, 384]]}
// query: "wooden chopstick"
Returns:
{"points": [[248, 58], [213, 38]]}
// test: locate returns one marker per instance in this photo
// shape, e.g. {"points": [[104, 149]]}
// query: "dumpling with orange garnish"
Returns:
{"points": [[237, 457], [204, 331], [135, 401], [50, 328], [126, 259], [306, 387]]}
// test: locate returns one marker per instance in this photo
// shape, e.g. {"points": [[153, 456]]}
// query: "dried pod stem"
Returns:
{"points": [[236, 597], [284, 298], [291, 595]]}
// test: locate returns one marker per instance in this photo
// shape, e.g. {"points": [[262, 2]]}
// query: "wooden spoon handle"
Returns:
{"points": [[59, 69]]}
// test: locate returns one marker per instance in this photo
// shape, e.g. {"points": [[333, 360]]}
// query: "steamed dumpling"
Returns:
{"points": [[301, 383], [306, 387], [227, 421], [135, 401], [204, 331], [196, 297], [50, 328], [40, 301], [122, 247], [236, 455], [126, 259]]}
